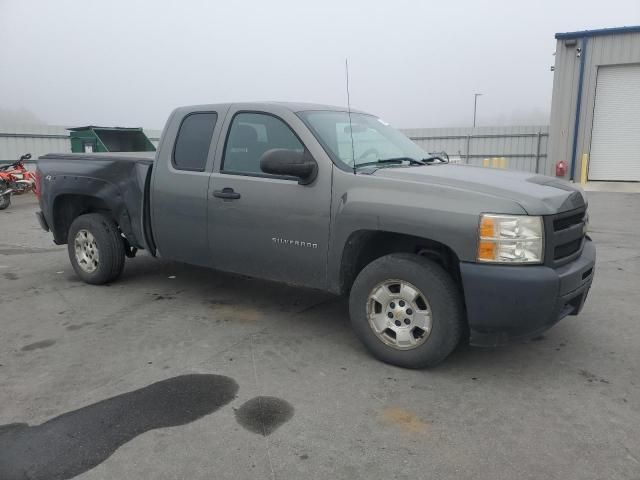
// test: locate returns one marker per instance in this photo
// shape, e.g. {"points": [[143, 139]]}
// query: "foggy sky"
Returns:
{"points": [[414, 63]]}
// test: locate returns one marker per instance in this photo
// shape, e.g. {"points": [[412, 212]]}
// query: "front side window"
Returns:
{"points": [[373, 139], [193, 141], [250, 136]]}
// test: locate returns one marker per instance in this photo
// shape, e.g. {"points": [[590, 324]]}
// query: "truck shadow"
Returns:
{"points": [[77, 441], [309, 312], [214, 286]]}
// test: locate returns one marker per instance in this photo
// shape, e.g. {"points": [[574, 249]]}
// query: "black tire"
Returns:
{"points": [[110, 246], [441, 293], [5, 201]]}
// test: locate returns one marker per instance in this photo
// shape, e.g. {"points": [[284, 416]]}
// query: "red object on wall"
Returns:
{"points": [[561, 168]]}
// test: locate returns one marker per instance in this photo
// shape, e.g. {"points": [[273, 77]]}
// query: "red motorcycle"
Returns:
{"points": [[15, 179]]}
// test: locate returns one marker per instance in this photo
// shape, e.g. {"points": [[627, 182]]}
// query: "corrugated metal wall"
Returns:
{"points": [[610, 49], [523, 147], [16, 140]]}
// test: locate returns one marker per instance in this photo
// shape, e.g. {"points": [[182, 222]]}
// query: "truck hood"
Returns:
{"points": [[536, 194]]}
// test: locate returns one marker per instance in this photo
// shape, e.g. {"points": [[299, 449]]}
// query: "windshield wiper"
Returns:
{"points": [[442, 156], [392, 161]]}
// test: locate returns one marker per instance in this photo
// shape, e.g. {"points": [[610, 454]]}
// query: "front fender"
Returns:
{"points": [[433, 212]]}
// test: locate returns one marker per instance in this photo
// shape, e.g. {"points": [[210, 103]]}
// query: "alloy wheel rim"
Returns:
{"points": [[86, 249], [399, 314]]}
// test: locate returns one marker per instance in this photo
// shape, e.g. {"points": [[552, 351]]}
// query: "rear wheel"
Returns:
{"points": [[407, 310], [96, 248]]}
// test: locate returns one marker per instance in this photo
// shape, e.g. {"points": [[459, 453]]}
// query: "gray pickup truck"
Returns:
{"points": [[428, 252]]}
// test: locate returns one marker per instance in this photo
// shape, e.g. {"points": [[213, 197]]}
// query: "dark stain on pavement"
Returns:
{"points": [[78, 326], [217, 301], [592, 377], [263, 415], [37, 345], [163, 297], [10, 276], [78, 441], [158, 296]]}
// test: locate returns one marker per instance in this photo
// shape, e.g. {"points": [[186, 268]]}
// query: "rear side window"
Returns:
{"points": [[193, 141]]}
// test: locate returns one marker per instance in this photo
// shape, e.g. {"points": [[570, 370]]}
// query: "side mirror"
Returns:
{"points": [[25, 157], [292, 163]]}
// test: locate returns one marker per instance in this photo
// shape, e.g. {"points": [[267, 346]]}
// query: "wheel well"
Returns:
{"points": [[365, 246], [67, 208]]}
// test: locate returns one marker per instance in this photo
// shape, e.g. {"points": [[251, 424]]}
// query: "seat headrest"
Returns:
{"points": [[244, 135]]}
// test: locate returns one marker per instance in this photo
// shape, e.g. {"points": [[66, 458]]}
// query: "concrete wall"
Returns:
{"points": [[608, 47]]}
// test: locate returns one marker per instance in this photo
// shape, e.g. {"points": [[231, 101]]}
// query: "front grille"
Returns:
{"points": [[564, 223], [567, 249], [564, 236]]}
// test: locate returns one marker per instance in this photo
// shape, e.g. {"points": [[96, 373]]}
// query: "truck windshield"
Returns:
{"points": [[374, 141]]}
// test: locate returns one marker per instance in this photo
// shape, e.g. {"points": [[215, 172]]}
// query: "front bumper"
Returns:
{"points": [[507, 303]]}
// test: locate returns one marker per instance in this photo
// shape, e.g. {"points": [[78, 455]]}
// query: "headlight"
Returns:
{"points": [[510, 239]]}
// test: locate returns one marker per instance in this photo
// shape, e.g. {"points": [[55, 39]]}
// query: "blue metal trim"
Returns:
{"points": [[595, 33], [574, 149]]}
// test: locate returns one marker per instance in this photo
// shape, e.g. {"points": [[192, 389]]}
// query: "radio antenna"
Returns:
{"points": [[353, 150]]}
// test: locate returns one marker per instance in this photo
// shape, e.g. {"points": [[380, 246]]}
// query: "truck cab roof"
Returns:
{"points": [[289, 106]]}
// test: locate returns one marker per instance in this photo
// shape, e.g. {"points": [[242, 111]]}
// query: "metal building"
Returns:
{"points": [[595, 111]]}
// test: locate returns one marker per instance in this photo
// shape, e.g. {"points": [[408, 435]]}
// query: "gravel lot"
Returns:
{"points": [[168, 373]]}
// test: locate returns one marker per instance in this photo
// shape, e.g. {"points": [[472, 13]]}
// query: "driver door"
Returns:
{"points": [[263, 225]]}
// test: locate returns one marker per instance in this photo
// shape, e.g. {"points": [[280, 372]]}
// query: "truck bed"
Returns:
{"points": [[143, 157], [118, 181]]}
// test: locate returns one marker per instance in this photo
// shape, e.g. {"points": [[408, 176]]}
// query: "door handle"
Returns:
{"points": [[226, 193]]}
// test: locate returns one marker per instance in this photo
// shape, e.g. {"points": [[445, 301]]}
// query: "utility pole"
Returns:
{"points": [[475, 107]]}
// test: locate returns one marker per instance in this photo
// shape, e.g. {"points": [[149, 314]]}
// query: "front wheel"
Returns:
{"points": [[407, 310], [5, 200], [96, 248]]}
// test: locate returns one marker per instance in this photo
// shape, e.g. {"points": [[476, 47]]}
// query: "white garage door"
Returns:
{"points": [[615, 139]]}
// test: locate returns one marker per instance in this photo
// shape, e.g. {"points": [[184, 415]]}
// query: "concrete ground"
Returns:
{"points": [[179, 372]]}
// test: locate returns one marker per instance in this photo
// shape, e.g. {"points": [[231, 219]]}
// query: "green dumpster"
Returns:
{"points": [[109, 139]]}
